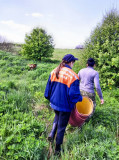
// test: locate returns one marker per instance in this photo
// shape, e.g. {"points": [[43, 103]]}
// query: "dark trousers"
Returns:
{"points": [[61, 119]]}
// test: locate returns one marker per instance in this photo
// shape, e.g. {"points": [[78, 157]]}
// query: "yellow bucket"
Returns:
{"points": [[81, 112], [85, 107]]}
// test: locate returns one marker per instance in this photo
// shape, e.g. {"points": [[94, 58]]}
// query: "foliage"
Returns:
{"points": [[103, 46], [21, 136], [21, 133], [38, 44], [26, 118], [98, 139]]}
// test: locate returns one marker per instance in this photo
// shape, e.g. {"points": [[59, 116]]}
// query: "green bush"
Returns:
{"points": [[103, 46], [38, 44]]}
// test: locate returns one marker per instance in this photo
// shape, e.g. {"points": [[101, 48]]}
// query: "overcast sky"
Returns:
{"points": [[69, 22]]}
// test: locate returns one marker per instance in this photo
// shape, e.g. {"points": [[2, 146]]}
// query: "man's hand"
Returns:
{"points": [[102, 101]]}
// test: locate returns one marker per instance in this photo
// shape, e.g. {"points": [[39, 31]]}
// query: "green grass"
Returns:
{"points": [[98, 139], [59, 53], [26, 117]]}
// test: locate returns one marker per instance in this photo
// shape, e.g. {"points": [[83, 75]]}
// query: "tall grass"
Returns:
{"points": [[26, 117]]}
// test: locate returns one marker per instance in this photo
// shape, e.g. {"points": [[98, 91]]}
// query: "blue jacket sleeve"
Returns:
{"points": [[48, 89], [74, 92]]}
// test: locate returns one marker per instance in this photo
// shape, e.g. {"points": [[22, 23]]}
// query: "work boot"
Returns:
{"points": [[53, 132], [57, 150]]}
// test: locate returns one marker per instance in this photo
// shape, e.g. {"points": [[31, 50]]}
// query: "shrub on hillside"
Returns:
{"points": [[103, 46], [38, 44], [6, 46]]}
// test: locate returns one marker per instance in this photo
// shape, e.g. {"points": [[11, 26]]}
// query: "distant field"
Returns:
{"points": [[59, 53]]}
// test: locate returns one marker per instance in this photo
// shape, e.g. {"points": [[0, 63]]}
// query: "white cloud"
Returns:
{"points": [[13, 37], [14, 32], [13, 25], [37, 15]]}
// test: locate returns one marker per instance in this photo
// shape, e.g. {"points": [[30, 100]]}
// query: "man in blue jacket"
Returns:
{"points": [[62, 90]]}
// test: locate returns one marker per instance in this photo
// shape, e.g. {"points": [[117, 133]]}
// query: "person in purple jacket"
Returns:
{"points": [[88, 79], [62, 90]]}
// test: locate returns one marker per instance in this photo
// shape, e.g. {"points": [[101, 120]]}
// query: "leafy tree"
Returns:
{"points": [[103, 46], [38, 44]]}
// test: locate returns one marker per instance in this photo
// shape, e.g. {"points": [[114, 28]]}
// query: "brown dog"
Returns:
{"points": [[32, 66]]}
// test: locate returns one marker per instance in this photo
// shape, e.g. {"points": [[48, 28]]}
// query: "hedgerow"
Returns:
{"points": [[103, 46]]}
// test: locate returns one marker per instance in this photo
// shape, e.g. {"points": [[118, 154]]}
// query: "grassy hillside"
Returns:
{"points": [[26, 117]]}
